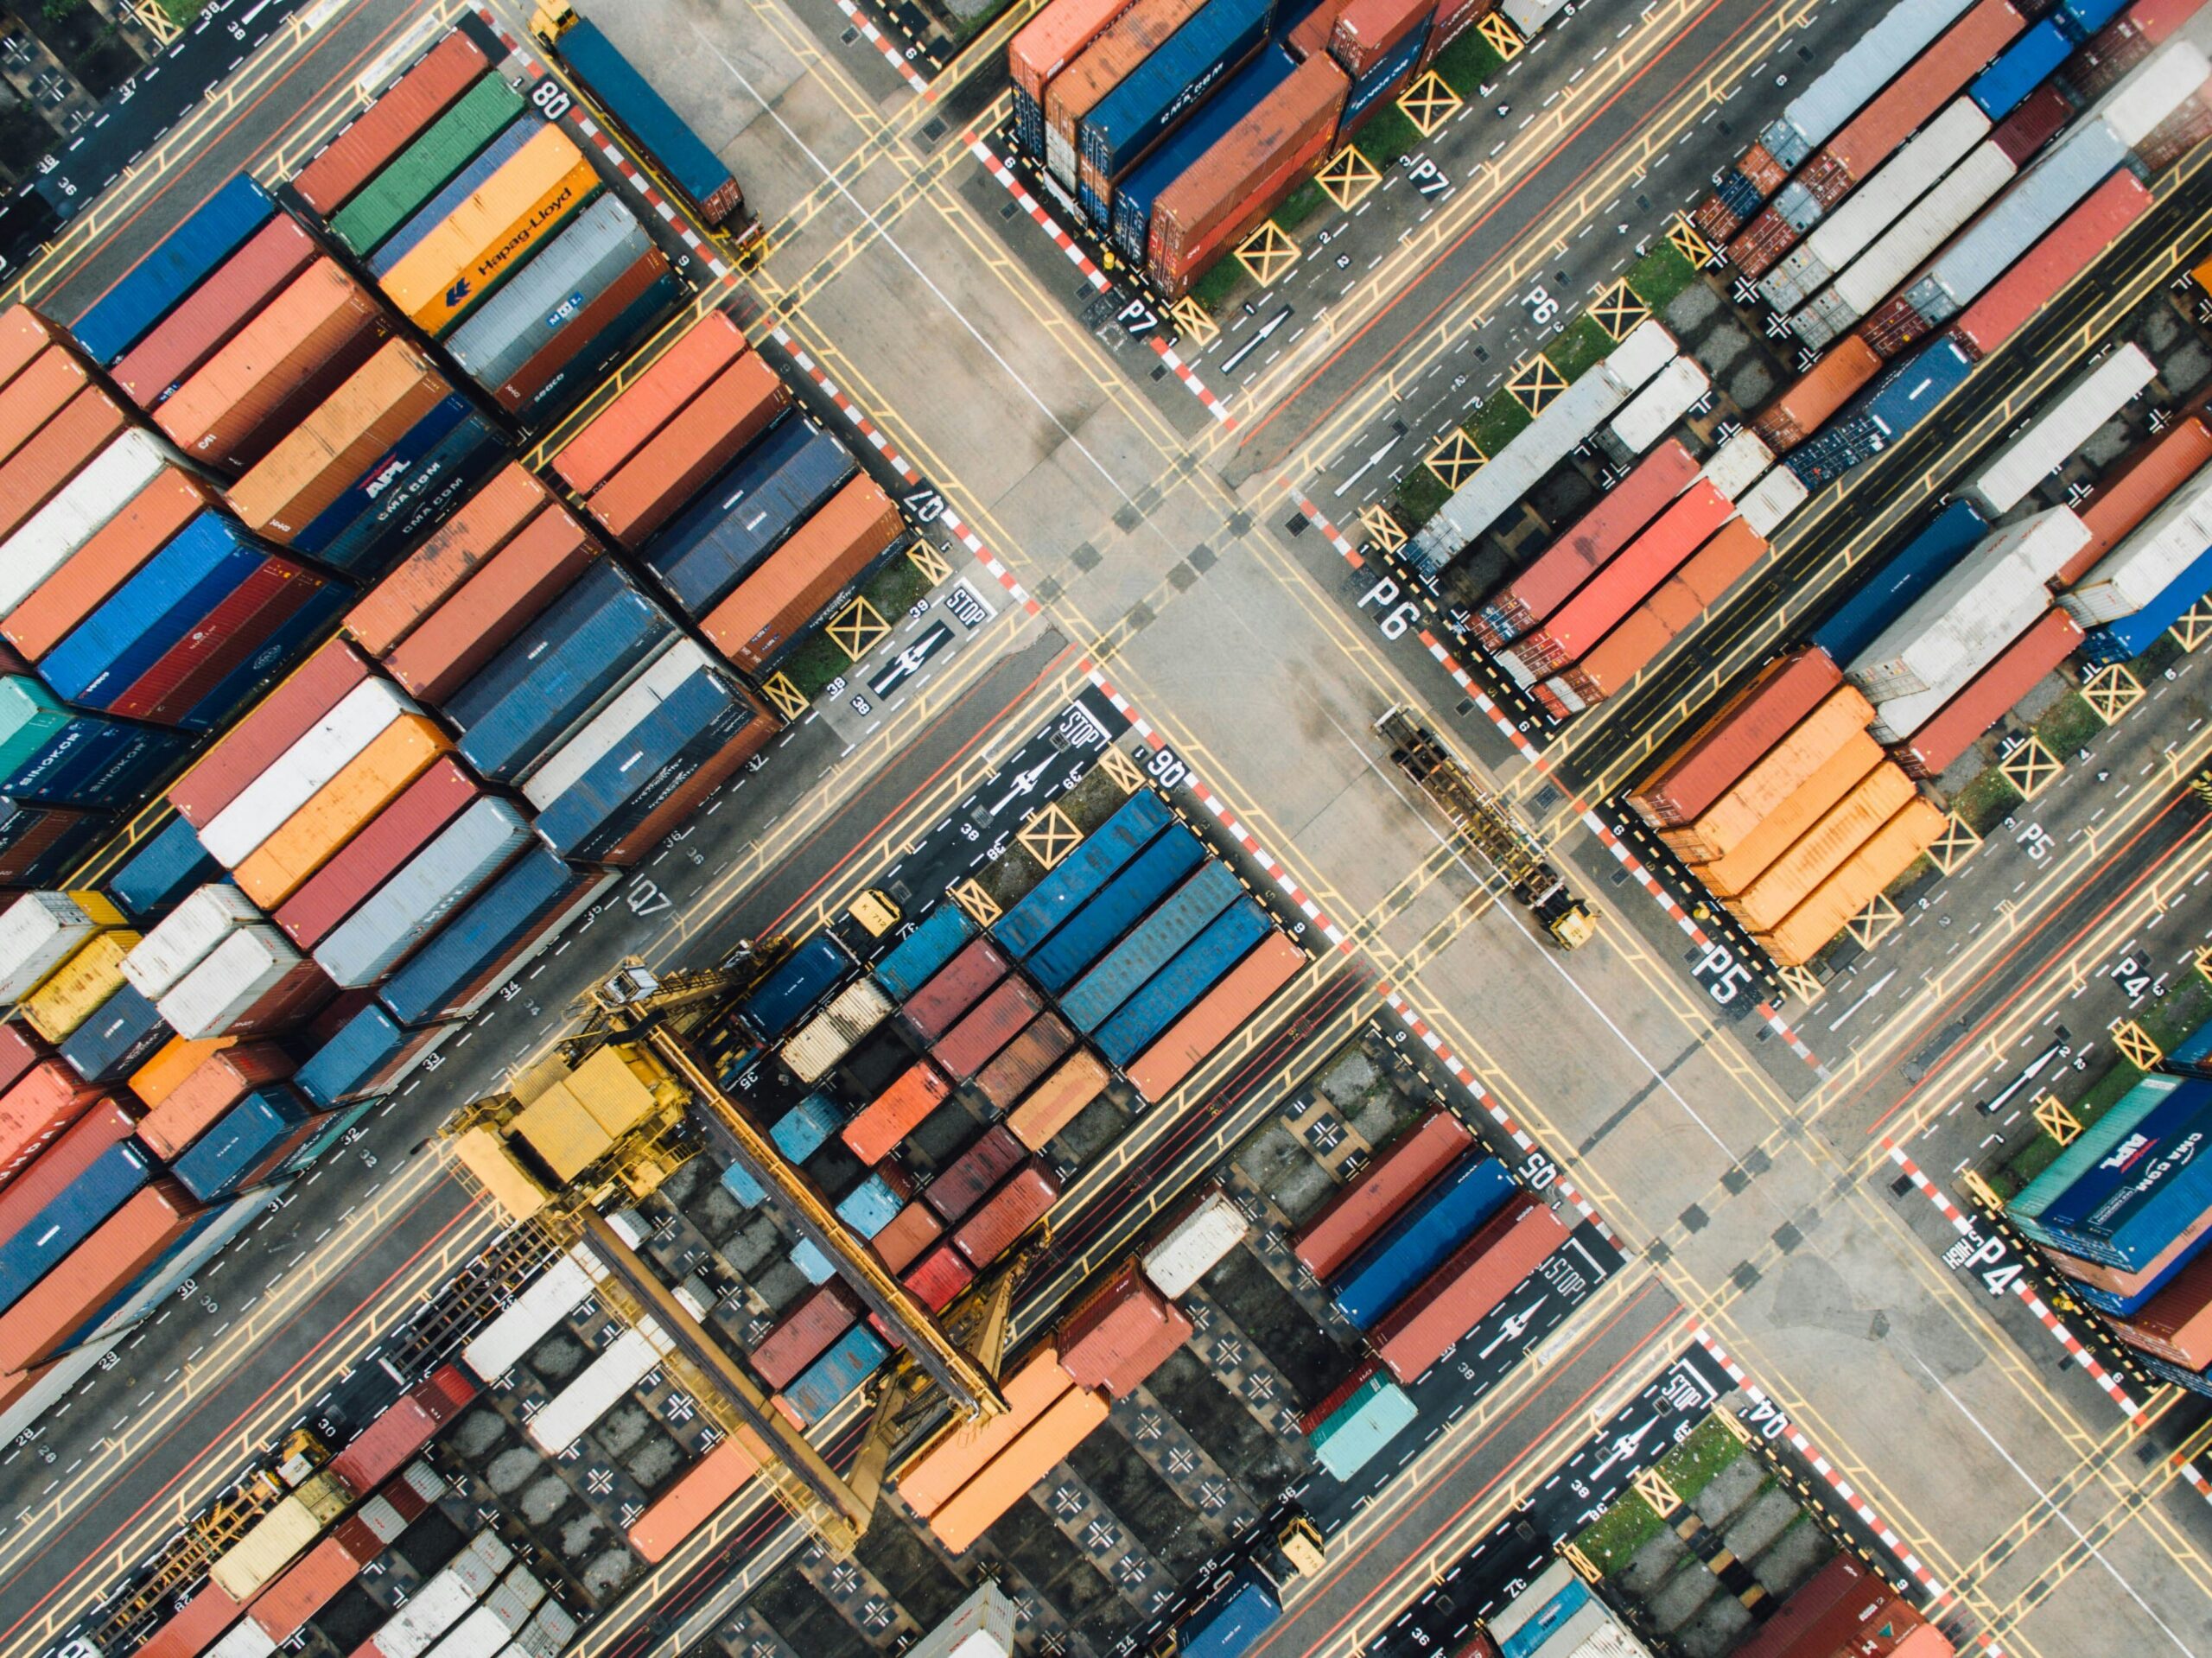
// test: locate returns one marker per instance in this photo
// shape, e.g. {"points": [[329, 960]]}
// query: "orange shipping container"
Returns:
{"points": [[1837, 776], [106, 562], [1700, 769], [1848, 369], [219, 1082], [2130, 492], [1851, 888], [1771, 779], [325, 455], [24, 334], [1051, 39], [280, 366], [95, 1272], [702, 439], [1674, 607], [1104, 64], [1821, 850], [311, 837], [650, 402], [174, 1061], [487, 237], [35, 472], [797, 581], [1185, 1044], [895, 1113], [1058, 1099], [1042, 1446], [35, 395], [691, 1502], [957, 1456], [504, 597], [488, 521]]}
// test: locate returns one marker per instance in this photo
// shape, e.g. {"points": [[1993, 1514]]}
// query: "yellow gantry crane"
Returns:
{"points": [[1487, 822], [609, 1112]]}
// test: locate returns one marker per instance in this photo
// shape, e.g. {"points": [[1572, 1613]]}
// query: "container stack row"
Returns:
{"points": [[1844, 1609]]}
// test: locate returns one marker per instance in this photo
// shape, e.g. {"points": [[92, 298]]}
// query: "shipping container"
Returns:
{"points": [[73, 992], [459, 861], [966, 1447], [695, 1497], [78, 511], [388, 123], [962, 1184], [1058, 1099], [1468, 1286], [693, 361], [2065, 418], [1210, 196], [2148, 560], [1179, 985], [61, 447], [414, 174], [49, 756], [1231, 1621], [37, 395], [1115, 1323], [1728, 743], [1822, 848], [215, 1085], [1162, 1066], [1184, 148], [994, 1021], [1398, 1170], [1202, 1235], [1771, 777], [504, 145], [1116, 908], [1828, 782], [1865, 66], [187, 935], [1046, 1442], [1140, 29], [1674, 607], [2056, 260], [1023, 1061], [774, 1008], [1897, 585], [640, 112], [426, 477], [499, 1344], [595, 246], [1126, 968], [824, 1385], [95, 1272], [924, 948], [401, 1428], [40, 931], [179, 263], [246, 1145], [914, 1230], [1885, 857], [1026, 925], [954, 988], [376, 850], [90, 572], [697, 442], [290, 713], [472, 953], [1419, 1237], [392, 610], [287, 780], [761, 619], [340, 809], [779, 483], [1354, 1435], [368, 1057], [585, 339], [52, 1231], [41, 1105], [546, 561], [1973, 611], [1025, 1198], [1614, 590]]}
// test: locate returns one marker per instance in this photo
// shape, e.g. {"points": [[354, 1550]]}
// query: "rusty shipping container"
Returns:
{"points": [[276, 256], [1984, 700], [1473, 1283], [1025, 1059], [803, 1333], [1023, 1199], [216, 1084], [112, 556], [794, 584], [486, 522], [1367, 1203], [278, 721], [37, 395], [1110, 1325], [954, 988], [40, 1105], [962, 1182], [986, 1027], [1059, 1099], [1730, 742], [1770, 778], [875, 1132], [390, 124], [1190, 214], [698, 442], [914, 1228], [638, 413], [486, 614], [1117, 51]]}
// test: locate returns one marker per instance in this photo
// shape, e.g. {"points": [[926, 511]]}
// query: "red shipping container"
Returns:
{"points": [[292, 999], [545, 369], [1985, 699], [55, 453], [912, 1230], [37, 395], [430, 574], [1761, 243], [1026, 1199], [233, 631], [52, 826], [2063, 254], [272, 260], [41, 1103], [2136, 486], [2176, 1324], [104, 1265], [1627, 580], [105, 563], [24, 334], [804, 576], [390, 124], [1337, 1396], [650, 402], [875, 1132], [1930, 81], [278, 721], [1050, 40], [954, 988], [1819, 1595], [1110, 1324], [702, 439], [1817, 394], [1468, 1287], [1365, 1204], [102, 1126], [1672, 610], [377, 850], [21, 1048], [1366, 31], [1028, 1056], [1213, 1019], [803, 1333], [1309, 34], [674, 812], [938, 1277], [2041, 117], [1190, 214], [198, 1627], [960, 1185], [1453, 18], [313, 1581], [403, 1428], [1269, 192], [217, 1083], [502, 599], [1701, 770], [1588, 544], [1138, 1364], [986, 1027]]}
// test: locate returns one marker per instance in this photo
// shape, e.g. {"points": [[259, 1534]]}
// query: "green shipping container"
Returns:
{"points": [[386, 203], [1377, 1412]]}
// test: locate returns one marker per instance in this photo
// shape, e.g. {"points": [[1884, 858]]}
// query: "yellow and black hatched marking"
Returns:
{"points": [[1455, 458], [1268, 254]]}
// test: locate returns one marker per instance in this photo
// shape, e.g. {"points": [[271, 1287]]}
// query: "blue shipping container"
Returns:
{"points": [[743, 1187], [2194, 1381], [68, 1219], [440, 976], [1903, 395], [1233, 1618], [1448, 1211], [2144, 1194], [1168, 85], [463, 185], [852, 1359], [169, 596], [91, 761], [802, 1131], [1176, 989], [774, 487], [2127, 1306], [1125, 969], [663, 752], [378, 476], [870, 1206], [458, 861], [150, 288], [1368, 91], [2082, 1154], [1883, 597], [802, 979], [1239, 96], [2090, 15], [1028, 125], [418, 498], [1116, 908], [233, 1152], [164, 870], [924, 950], [117, 1040], [1082, 872], [667, 139], [562, 682], [1370, 1419], [1997, 90], [2131, 636]]}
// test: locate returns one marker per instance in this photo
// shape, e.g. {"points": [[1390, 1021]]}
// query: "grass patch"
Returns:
{"points": [[1388, 134], [1420, 494], [1611, 1540], [1094, 800], [1306, 201], [2164, 651], [815, 665], [896, 589], [1580, 347], [1500, 418], [1659, 276], [2068, 725], [1468, 62], [1984, 803], [1916, 872], [1215, 290]]}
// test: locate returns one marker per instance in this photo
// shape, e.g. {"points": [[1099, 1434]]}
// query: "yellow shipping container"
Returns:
{"points": [[487, 237], [175, 1060], [1741, 865], [1823, 849], [99, 907], [1730, 819], [73, 992], [1808, 928], [484, 1154], [279, 1536], [312, 835]]}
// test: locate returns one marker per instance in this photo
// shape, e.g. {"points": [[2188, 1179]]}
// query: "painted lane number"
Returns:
{"points": [[1392, 615], [1722, 973]]}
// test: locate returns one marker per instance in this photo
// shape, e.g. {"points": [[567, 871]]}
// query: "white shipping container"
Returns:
{"points": [[1648, 348], [548, 1631], [1797, 279], [1778, 494], [423, 1481], [2147, 561], [435, 1608], [598, 1388], [81, 509], [1872, 277], [1197, 1245], [981, 1626], [597, 737], [544, 942], [516, 1598], [1737, 464], [860, 1006], [1897, 717], [560, 1289], [481, 1562], [1529, 15], [43, 1395], [38, 932], [1609, 1640], [247, 1639], [2063, 423], [1549, 1584], [1654, 410], [383, 1520], [237, 972], [409, 906], [2153, 90], [1892, 189], [1060, 158], [814, 1046], [1865, 68], [480, 1635], [292, 778], [187, 936], [1981, 604]]}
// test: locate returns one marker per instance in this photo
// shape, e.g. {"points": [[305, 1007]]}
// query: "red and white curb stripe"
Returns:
{"points": [[1499, 1114], [1612, 842], [2021, 1287], [598, 139], [891, 55], [869, 430], [1941, 1598], [1350, 554], [1226, 818], [1097, 278]]}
